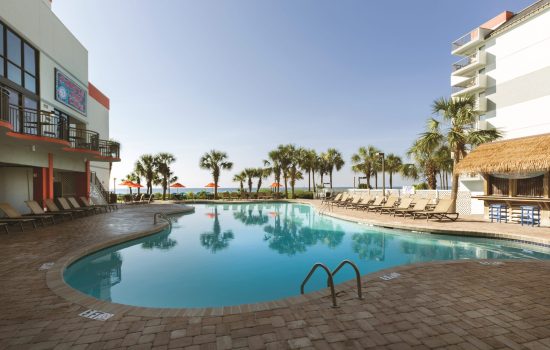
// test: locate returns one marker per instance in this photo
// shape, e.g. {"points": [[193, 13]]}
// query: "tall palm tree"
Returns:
{"points": [[261, 174], [215, 161], [145, 167], [322, 167], [163, 161], [458, 116], [250, 174], [134, 178], [274, 166], [308, 161], [241, 178], [365, 162], [392, 165], [424, 154], [410, 171], [286, 155], [334, 161], [294, 174]]}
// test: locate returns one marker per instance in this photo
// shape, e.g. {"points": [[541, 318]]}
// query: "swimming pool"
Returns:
{"points": [[230, 254]]}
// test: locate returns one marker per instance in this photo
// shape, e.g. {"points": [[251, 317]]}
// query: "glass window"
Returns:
{"points": [[14, 73], [30, 59], [14, 48], [30, 103], [1, 40], [1, 67], [30, 82]]}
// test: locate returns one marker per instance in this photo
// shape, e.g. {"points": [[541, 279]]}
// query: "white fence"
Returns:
{"points": [[463, 201]]}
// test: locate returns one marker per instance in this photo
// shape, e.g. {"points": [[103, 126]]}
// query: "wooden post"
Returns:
{"points": [[485, 184], [546, 185]]}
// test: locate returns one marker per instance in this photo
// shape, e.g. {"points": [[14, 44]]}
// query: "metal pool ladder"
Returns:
{"points": [[157, 216], [330, 278]]}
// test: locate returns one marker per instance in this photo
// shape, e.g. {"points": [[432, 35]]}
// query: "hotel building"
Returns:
{"points": [[505, 64], [54, 123]]}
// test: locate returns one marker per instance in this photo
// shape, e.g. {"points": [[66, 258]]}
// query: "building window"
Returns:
{"points": [[498, 186], [18, 60]]}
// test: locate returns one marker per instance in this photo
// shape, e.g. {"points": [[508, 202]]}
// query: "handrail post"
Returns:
{"points": [[357, 275], [330, 280]]}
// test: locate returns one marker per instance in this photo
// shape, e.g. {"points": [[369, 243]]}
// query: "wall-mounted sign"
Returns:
{"points": [[70, 93]]}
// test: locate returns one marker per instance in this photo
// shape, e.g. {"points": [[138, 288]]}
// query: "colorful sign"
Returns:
{"points": [[70, 93]]}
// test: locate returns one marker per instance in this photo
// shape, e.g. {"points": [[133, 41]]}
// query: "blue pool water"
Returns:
{"points": [[245, 253]]}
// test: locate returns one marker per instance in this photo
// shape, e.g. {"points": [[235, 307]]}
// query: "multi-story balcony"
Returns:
{"points": [[469, 86], [469, 42], [469, 65], [40, 126]]}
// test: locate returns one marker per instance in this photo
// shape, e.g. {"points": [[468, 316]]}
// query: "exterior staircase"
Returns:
{"points": [[98, 193]]}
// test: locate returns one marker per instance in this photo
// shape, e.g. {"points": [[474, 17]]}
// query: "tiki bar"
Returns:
{"points": [[516, 176]]}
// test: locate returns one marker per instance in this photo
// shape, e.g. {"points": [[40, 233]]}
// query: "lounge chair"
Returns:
{"points": [[5, 226], [440, 212], [337, 197], [419, 205], [90, 202], [346, 197], [37, 209], [355, 199], [404, 203], [13, 214], [365, 201], [389, 203], [64, 206], [53, 208], [376, 202], [86, 204], [235, 196], [72, 202]]}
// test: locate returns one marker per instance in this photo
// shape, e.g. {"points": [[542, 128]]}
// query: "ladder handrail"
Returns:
{"points": [[162, 216], [330, 281], [357, 275]]}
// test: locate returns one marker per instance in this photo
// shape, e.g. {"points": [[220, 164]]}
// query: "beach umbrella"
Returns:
{"points": [[276, 184], [178, 186], [211, 185], [128, 184]]}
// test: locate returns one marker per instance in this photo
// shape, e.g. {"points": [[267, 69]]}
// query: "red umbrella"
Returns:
{"points": [[276, 184], [178, 186], [212, 185]]}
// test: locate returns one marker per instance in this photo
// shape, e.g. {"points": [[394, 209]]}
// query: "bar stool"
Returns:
{"points": [[498, 212], [530, 215]]}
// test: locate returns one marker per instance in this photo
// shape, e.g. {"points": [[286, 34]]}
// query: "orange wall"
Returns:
{"points": [[498, 20], [98, 95]]}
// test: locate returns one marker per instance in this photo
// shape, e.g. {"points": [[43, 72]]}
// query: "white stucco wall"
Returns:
{"points": [[16, 187], [518, 71]]}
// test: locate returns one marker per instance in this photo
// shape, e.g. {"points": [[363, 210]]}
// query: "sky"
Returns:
{"points": [[244, 76]]}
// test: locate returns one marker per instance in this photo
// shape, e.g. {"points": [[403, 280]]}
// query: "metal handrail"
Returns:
{"points": [[162, 216], [109, 149], [330, 281], [84, 139], [357, 275]]}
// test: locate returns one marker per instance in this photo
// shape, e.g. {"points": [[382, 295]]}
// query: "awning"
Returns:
{"points": [[516, 156]]}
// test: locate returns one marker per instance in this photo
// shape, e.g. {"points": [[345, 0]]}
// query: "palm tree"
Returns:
{"points": [[286, 155], [423, 153], [274, 167], [410, 171], [241, 178], [134, 178], [145, 167], [250, 174], [322, 167], [215, 161], [458, 116], [294, 174], [334, 161], [162, 165], [365, 161], [392, 165], [261, 173], [308, 162]]}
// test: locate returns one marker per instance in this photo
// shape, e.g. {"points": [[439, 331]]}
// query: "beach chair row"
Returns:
{"points": [[394, 205], [65, 209]]}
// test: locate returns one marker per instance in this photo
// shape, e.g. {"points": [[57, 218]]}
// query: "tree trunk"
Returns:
{"points": [[330, 177], [368, 181], [286, 185], [309, 180], [376, 179], [391, 180], [313, 179], [259, 185], [454, 186], [322, 183], [215, 188]]}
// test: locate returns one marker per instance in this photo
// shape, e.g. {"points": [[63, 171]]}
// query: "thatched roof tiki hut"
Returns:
{"points": [[516, 172]]}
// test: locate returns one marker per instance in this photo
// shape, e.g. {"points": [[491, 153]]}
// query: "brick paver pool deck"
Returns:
{"points": [[450, 305]]}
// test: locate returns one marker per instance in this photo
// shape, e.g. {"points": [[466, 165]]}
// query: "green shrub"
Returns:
{"points": [[363, 187], [301, 194], [421, 186]]}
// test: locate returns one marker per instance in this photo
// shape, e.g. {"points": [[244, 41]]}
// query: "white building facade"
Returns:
{"points": [[54, 124], [505, 64]]}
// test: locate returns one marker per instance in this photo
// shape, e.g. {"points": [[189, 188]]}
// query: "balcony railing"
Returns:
{"points": [[466, 61], [109, 149], [466, 84], [46, 124], [462, 41], [84, 139]]}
